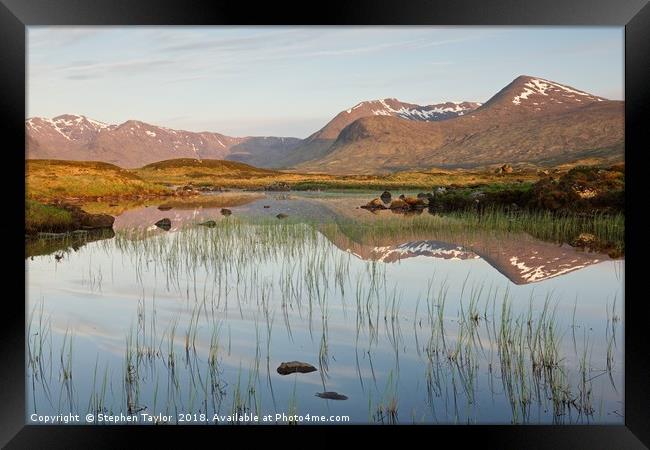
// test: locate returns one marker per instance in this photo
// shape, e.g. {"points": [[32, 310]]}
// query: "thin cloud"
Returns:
{"points": [[99, 70]]}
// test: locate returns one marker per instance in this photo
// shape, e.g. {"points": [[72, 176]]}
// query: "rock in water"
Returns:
{"points": [[398, 204], [385, 196], [281, 216], [330, 395], [209, 224], [164, 207], [374, 204], [267, 206], [226, 211], [295, 367], [164, 224], [415, 203]]}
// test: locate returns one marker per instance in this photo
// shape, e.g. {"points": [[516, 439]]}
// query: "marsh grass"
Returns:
{"points": [[544, 225], [218, 280]]}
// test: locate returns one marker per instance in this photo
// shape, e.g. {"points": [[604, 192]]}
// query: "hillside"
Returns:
{"points": [[49, 180], [530, 121], [135, 143], [319, 144]]}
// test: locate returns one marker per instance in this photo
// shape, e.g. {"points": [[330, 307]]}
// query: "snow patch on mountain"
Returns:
{"points": [[539, 86]]}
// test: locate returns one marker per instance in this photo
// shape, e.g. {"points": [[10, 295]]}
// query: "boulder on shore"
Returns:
{"points": [[415, 203], [398, 204], [295, 367], [374, 204], [506, 168]]}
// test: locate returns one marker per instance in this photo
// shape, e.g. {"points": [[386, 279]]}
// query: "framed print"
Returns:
{"points": [[395, 217]]}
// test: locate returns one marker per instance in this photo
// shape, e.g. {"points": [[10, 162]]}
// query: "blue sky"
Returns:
{"points": [[289, 81]]}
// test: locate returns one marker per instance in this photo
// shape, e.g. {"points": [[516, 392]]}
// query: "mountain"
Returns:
{"points": [[531, 120], [269, 152], [134, 143], [319, 144]]}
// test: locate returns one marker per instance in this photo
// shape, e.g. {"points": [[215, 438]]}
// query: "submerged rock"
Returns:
{"points": [[374, 204], [164, 224], [331, 395], [295, 367], [226, 211]]}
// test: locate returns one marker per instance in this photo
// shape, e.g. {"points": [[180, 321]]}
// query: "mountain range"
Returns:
{"points": [[531, 120]]}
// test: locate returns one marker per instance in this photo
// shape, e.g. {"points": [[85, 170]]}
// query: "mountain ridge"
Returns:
{"points": [[531, 119]]}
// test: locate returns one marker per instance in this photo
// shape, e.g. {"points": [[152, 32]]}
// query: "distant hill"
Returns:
{"points": [[214, 165], [49, 180]]}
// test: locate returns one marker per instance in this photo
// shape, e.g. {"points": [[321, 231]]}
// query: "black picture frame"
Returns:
{"points": [[634, 15]]}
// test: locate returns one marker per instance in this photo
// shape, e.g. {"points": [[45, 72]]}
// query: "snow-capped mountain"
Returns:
{"points": [[135, 143], [526, 94], [319, 143], [396, 108], [531, 120]]}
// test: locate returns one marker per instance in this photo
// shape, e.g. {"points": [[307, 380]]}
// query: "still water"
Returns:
{"points": [[430, 327]]}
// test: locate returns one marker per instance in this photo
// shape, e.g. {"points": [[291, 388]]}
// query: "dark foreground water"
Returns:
{"points": [[431, 326]]}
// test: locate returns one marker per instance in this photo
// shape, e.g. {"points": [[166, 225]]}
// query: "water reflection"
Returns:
{"points": [[410, 327]]}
